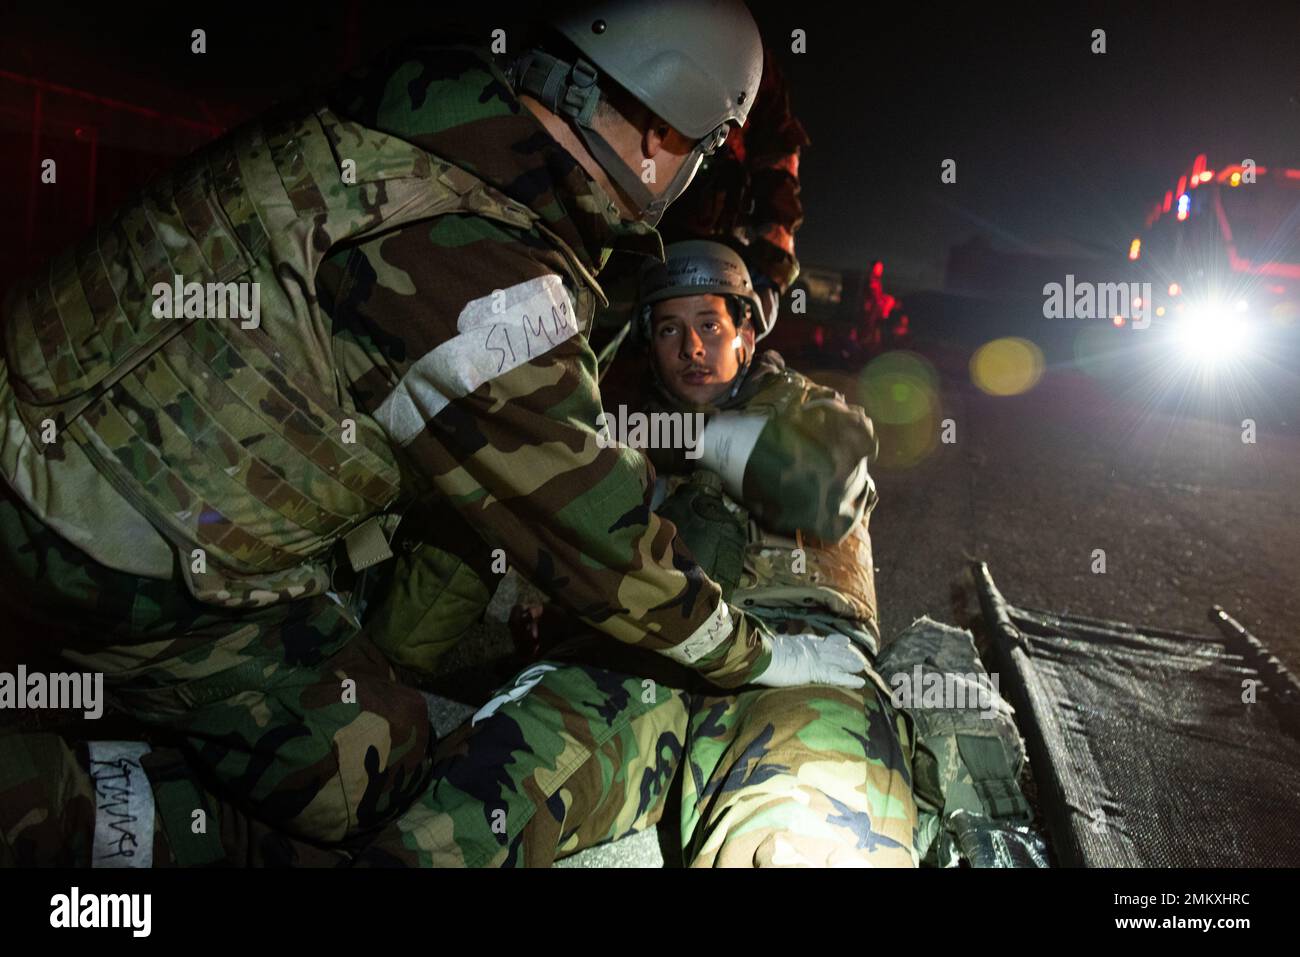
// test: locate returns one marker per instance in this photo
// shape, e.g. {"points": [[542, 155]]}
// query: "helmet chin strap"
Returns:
{"points": [[745, 361], [571, 91]]}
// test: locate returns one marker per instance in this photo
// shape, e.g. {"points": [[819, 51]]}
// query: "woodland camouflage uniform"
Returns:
{"points": [[592, 743], [422, 349]]}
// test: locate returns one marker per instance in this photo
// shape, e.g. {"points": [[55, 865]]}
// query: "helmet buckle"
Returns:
{"points": [[580, 90], [583, 74], [713, 141]]}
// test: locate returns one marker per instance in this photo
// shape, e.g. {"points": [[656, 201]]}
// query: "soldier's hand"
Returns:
{"points": [[813, 660]]}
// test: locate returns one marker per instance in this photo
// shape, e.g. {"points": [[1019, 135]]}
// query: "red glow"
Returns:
{"points": [[1182, 185], [37, 105], [1198, 164], [1169, 201], [1281, 270], [49, 87], [1236, 169], [1224, 229]]}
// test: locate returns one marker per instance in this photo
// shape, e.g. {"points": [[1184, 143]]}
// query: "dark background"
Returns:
{"points": [[1057, 148]]}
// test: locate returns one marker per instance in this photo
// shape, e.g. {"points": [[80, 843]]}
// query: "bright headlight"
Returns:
{"points": [[1214, 332]]}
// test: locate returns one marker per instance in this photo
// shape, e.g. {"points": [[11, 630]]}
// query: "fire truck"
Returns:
{"points": [[1221, 250]]}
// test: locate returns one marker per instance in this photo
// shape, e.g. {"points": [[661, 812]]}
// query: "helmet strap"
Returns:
{"points": [[746, 361], [740, 310], [572, 92]]}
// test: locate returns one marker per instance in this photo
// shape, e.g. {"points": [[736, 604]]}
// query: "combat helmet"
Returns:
{"points": [[696, 267], [694, 63]]}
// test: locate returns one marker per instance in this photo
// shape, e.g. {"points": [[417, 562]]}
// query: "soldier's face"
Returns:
{"points": [[694, 344]]}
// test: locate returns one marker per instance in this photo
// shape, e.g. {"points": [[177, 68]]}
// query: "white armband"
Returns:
{"points": [[717, 628], [124, 805], [727, 444], [496, 334]]}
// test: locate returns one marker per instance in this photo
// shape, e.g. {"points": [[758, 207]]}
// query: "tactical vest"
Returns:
{"points": [[236, 441], [757, 568], [804, 571], [783, 572]]}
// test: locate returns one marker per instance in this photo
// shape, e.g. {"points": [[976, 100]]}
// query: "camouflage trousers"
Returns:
{"points": [[283, 719], [574, 755]]}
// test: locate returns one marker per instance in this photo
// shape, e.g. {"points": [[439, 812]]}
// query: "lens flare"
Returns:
{"points": [[900, 391], [1009, 366], [1098, 352], [1285, 313], [898, 387]]}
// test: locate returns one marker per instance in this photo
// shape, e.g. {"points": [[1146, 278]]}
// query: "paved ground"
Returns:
{"points": [[1186, 513]]}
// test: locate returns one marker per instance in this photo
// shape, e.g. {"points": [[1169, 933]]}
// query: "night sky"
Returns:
{"points": [[1054, 145]]}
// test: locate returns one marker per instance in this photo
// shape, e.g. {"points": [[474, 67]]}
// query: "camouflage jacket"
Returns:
{"points": [[452, 338], [792, 533], [807, 470], [512, 444]]}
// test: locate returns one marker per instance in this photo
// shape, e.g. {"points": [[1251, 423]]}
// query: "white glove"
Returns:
{"points": [[813, 660]]}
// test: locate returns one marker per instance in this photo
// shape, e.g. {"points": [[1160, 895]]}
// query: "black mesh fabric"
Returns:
{"points": [[1144, 751]]}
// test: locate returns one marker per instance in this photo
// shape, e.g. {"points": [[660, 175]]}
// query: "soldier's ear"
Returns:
{"points": [[659, 136], [654, 136]]}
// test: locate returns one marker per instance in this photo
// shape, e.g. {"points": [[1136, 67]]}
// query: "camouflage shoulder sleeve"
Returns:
{"points": [[462, 343], [807, 468]]}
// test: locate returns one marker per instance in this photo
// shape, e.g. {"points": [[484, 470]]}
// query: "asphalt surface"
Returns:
{"points": [[1186, 513]]}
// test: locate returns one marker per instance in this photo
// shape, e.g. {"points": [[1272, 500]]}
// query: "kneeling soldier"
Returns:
{"points": [[588, 745]]}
